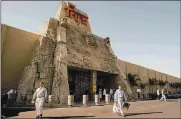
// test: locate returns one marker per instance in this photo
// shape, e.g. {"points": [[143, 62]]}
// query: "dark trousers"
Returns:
{"points": [[111, 96], [158, 96], [138, 95]]}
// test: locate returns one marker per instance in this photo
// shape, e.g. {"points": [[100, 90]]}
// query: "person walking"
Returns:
{"points": [[138, 92], [11, 96], [115, 105], [111, 94], [104, 94], [163, 96], [120, 96], [39, 98], [158, 94]]}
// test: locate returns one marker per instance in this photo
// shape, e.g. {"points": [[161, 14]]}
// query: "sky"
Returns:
{"points": [[145, 33]]}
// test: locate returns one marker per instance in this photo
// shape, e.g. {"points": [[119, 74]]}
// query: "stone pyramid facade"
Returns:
{"points": [[65, 43]]}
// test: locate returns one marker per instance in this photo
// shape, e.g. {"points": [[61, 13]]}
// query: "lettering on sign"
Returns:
{"points": [[76, 14]]}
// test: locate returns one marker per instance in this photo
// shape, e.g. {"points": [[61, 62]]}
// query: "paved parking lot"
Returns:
{"points": [[139, 109]]}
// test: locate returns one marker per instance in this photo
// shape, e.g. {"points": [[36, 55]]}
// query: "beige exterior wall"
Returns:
{"points": [[172, 79], [164, 78], [131, 68], [169, 80], [18, 48], [178, 80], [158, 75], [151, 73], [143, 74]]}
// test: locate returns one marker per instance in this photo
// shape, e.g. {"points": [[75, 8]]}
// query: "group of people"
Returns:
{"points": [[162, 95], [119, 97], [40, 96], [108, 91]]}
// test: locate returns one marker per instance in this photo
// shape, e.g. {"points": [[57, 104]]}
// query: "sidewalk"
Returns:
{"points": [[139, 109]]}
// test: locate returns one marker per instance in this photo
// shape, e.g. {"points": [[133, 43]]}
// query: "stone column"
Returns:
{"points": [[94, 81], [60, 82]]}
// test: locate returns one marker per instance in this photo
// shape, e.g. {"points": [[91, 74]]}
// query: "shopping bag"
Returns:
{"points": [[126, 106]]}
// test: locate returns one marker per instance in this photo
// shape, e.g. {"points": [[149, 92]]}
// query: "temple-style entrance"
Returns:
{"points": [[89, 82]]}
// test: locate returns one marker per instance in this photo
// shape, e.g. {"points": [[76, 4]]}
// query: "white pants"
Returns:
{"points": [[115, 108], [163, 97], [120, 105], [39, 105]]}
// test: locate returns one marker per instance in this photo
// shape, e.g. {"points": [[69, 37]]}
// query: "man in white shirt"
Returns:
{"points": [[138, 92], [119, 97], [158, 94], [39, 98], [163, 95]]}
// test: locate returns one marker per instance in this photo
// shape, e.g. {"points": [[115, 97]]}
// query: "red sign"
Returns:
{"points": [[76, 14]]}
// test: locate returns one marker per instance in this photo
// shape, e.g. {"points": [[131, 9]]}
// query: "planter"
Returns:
{"points": [[97, 99], [107, 98], [70, 100], [85, 100], [51, 100]]}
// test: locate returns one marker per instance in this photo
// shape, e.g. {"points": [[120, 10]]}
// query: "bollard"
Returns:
{"points": [[85, 100], [70, 100], [107, 98], [51, 100], [97, 99]]}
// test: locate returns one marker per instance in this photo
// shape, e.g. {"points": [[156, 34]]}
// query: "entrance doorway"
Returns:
{"points": [[105, 81], [79, 83]]}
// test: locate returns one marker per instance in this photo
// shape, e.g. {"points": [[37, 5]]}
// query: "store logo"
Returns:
{"points": [[77, 15]]}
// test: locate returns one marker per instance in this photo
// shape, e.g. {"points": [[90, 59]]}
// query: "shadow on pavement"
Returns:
{"points": [[98, 105], [10, 112], [66, 117], [132, 114], [172, 100]]}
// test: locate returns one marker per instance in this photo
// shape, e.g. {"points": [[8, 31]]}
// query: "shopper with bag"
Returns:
{"points": [[39, 98], [115, 106], [120, 97]]}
